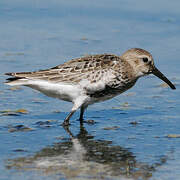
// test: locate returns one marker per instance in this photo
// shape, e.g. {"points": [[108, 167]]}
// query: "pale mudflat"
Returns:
{"points": [[87, 80]]}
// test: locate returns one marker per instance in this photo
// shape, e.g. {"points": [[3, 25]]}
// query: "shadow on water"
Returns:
{"points": [[84, 157]]}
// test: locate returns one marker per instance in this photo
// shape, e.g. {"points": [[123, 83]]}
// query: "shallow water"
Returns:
{"points": [[133, 136]]}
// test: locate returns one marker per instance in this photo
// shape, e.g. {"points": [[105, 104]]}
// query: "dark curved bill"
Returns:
{"points": [[157, 73]]}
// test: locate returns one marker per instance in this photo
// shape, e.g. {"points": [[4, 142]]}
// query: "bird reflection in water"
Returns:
{"points": [[84, 157]]}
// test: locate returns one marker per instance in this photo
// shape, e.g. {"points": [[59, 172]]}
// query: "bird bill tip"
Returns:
{"points": [[157, 73]]}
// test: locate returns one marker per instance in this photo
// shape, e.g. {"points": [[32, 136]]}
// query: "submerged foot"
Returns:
{"points": [[81, 121], [65, 123]]}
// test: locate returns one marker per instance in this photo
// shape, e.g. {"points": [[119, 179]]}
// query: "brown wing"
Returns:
{"points": [[89, 67]]}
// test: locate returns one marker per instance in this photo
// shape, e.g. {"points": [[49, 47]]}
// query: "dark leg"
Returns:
{"points": [[77, 104], [66, 121], [82, 113], [66, 128]]}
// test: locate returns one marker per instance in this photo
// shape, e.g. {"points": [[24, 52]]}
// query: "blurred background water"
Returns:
{"points": [[134, 136]]}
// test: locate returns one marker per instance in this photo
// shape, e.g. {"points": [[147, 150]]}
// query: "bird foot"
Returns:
{"points": [[65, 123]]}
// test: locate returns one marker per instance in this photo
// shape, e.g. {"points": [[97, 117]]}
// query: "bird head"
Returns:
{"points": [[142, 64]]}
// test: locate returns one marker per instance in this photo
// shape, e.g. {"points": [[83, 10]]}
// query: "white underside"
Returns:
{"points": [[62, 91], [67, 92]]}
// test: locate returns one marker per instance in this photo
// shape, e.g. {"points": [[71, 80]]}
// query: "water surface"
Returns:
{"points": [[128, 138]]}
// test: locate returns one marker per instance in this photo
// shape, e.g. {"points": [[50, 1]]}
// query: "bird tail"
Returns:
{"points": [[17, 78]]}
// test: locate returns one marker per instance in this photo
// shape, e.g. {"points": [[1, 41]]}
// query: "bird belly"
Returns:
{"points": [[108, 93], [66, 92], [102, 97]]}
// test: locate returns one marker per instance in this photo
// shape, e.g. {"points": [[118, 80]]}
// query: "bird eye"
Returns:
{"points": [[145, 59]]}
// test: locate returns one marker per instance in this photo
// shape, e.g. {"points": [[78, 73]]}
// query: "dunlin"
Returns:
{"points": [[87, 80]]}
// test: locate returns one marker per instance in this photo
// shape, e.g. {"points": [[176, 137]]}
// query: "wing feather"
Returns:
{"points": [[92, 68]]}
